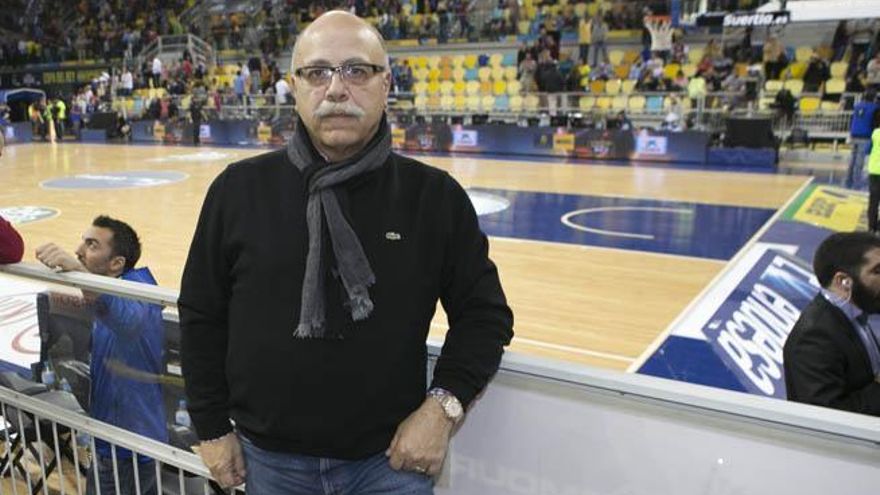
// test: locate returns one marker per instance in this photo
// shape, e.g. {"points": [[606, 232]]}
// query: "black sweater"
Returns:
{"points": [[343, 398]]}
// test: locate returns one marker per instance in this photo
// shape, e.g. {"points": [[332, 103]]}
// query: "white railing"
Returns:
{"points": [[545, 427]]}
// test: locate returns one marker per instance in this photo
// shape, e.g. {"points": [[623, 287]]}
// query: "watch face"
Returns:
{"points": [[452, 408]]}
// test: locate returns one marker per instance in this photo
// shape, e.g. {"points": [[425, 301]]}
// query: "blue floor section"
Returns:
{"points": [[669, 227]]}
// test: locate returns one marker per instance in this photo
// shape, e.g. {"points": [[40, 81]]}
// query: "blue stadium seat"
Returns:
{"points": [[654, 104], [502, 103], [471, 75]]}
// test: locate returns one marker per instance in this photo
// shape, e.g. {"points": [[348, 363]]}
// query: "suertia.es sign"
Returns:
{"points": [[744, 19]]}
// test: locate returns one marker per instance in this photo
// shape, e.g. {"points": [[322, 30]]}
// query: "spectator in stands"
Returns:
{"points": [[696, 90], [59, 116], [353, 371], [816, 75], [599, 34], [774, 58], [126, 83], [238, 86], [585, 36], [527, 71], [282, 91], [832, 355], [872, 74], [840, 41], [126, 356], [661, 37], [11, 245], [874, 177]]}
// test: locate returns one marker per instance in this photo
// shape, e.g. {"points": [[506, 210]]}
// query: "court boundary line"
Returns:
{"points": [[559, 347], [658, 341], [682, 257]]}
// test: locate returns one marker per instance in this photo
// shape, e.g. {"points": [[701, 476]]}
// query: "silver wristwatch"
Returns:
{"points": [[450, 404]]}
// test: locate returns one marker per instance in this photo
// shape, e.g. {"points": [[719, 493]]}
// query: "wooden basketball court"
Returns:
{"points": [[582, 303]]}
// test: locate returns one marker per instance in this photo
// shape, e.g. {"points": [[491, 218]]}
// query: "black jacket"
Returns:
{"points": [[826, 363], [240, 298]]}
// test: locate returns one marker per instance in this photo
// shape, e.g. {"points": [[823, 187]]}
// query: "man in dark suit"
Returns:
{"points": [[832, 356]]}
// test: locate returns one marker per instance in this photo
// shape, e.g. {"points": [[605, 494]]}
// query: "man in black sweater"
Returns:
{"points": [[312, 279]]}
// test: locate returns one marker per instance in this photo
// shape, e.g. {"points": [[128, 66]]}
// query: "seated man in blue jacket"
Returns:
{"points": [[127, 345]]}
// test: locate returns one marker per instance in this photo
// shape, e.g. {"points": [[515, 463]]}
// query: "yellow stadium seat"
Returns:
{"points": [[597, 86], [434, 62], [765, 103], [637, 103], [421, 102], [802, 53], [404, 105], [514, 87], [772, 85], [797, 70], [835, 86], [586, 102], [470, 61], [838, 70], [434, 102], [458, 61], [447, 102], [671, 71], [695, 55], [612, 87], [433, 87], [531, 102], [459, 87], [619, 102], [689, 70], [830, 106], [485, 87], [472, 87], [420, 87], [458, 74], [499, 87], [434, 74], [523, 26], [487, 103], [796, 86], [621, 71], [473, 103], [498, 73], [421, 62], [420, 74], [510, 73], [445, 73], [460, 103], [495, 60], [628, 86], [809, 104], [603, 102], [484, 73], [615, 57], [630, 56], [446, 87], [516, 103]]}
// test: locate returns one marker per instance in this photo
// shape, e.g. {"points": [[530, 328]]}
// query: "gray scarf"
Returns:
{"points": [[352, 264]]}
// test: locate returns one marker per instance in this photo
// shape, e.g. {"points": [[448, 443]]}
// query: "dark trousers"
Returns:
{"points": [[873, 201]]}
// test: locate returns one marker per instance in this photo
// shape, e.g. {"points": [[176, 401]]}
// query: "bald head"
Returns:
{"points": [[327, 29]]}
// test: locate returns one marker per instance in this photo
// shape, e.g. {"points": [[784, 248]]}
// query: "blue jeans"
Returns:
{"points": [[146, 474], [278, 473]]}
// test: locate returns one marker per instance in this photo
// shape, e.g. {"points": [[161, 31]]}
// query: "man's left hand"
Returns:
{"points": [[421, 440]]}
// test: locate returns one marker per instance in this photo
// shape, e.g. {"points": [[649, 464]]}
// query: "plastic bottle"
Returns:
{"points": [[48, 375], [181, 416]]}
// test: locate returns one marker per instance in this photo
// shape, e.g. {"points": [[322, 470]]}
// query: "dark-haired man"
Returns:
{"points": [[832, 356], [127, 344]]}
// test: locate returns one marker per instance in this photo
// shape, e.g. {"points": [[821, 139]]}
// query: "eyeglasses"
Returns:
{"points": [[356, 74]]}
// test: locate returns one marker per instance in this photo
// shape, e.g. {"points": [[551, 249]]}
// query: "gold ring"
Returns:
{"points": [[420, 469]]}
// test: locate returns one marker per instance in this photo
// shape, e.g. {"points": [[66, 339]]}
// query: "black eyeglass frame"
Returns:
{"points": [[341, 70]]}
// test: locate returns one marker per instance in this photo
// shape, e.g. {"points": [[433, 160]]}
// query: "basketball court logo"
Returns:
{"points": [[27, 214]]}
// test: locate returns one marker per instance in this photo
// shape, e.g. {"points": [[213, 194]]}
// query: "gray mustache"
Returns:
{"points": [[346, 109]]}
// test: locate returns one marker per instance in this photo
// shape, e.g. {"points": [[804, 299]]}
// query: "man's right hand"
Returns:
{"points": [[56, 258], [224, 459]]}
